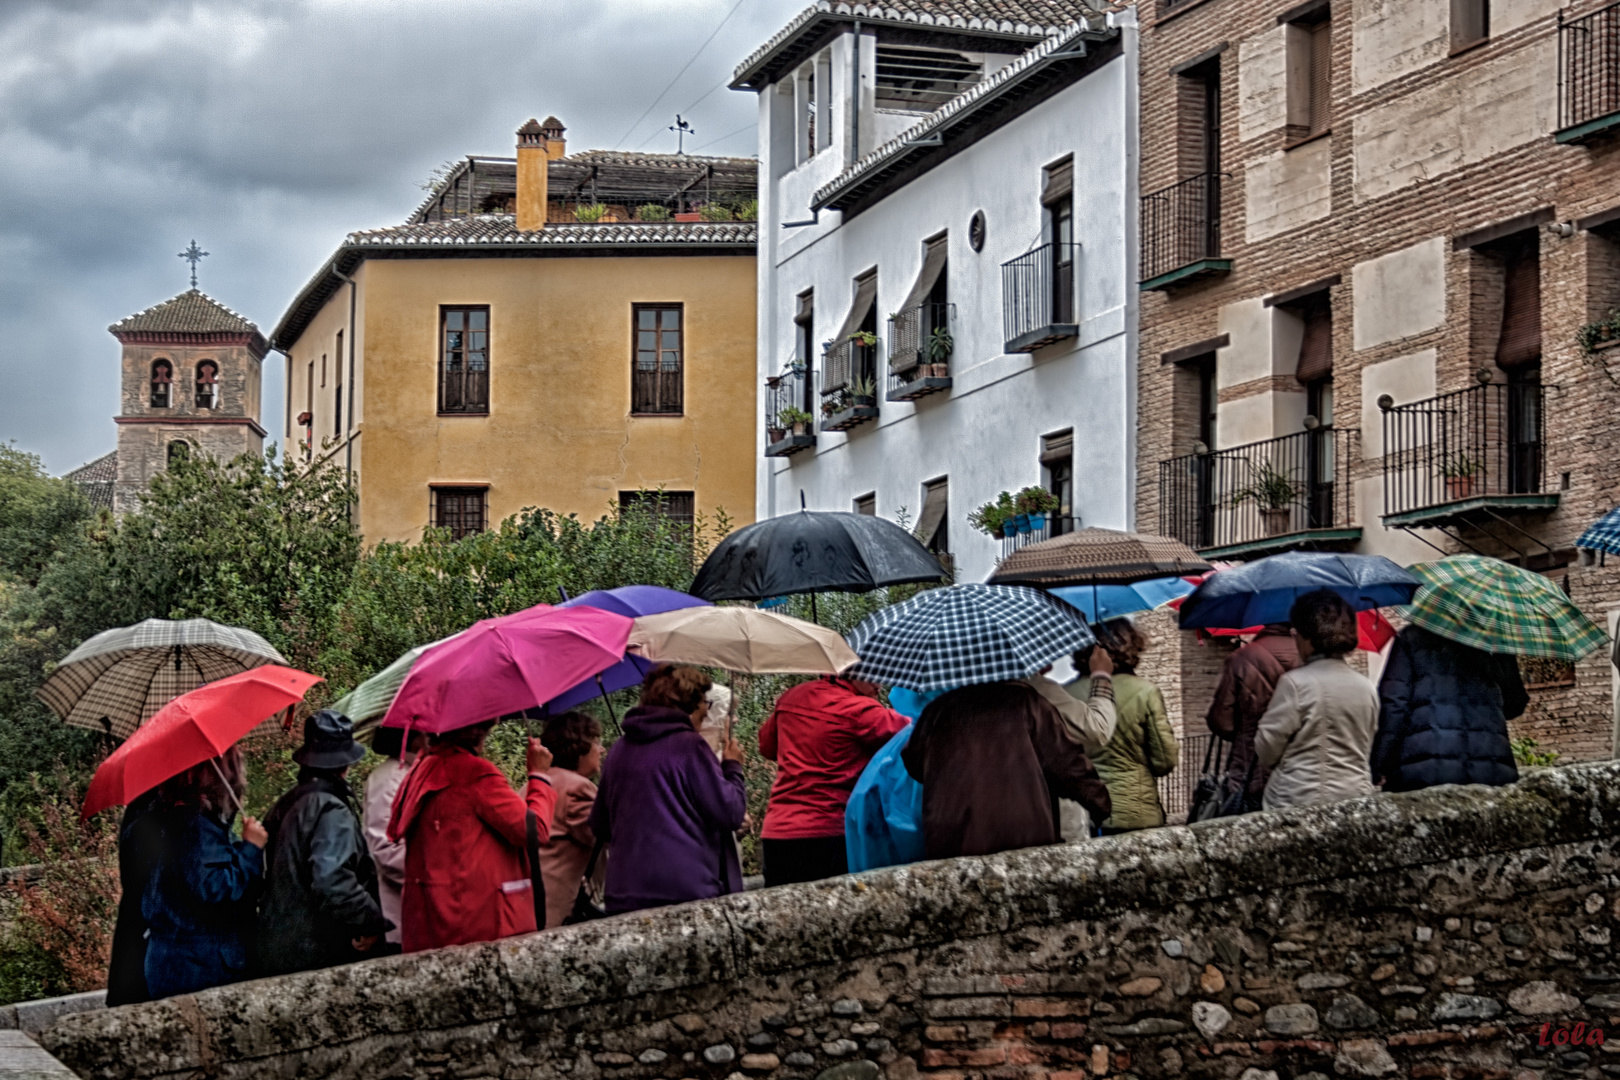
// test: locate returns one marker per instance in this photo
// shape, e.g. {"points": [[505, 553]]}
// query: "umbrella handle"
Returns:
{"points": [[214, 761], [603, 691]]}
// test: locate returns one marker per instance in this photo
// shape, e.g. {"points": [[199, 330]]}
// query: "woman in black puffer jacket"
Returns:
{"points": [[1444, 713]]}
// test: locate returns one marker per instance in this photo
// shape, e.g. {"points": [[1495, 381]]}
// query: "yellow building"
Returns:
{"points": [[547, 330]]}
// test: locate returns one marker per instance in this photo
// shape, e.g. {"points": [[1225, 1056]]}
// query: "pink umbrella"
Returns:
{"points": [[502, 666]]}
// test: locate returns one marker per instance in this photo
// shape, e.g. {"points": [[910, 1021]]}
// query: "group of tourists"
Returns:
{"points": [[440, 850]]}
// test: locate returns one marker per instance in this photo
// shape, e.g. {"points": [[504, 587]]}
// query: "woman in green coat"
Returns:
{"points": [[1143, 747]]}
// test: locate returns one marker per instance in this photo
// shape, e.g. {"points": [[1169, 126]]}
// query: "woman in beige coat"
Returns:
{"points": [[1317, 734], [575, 742]]}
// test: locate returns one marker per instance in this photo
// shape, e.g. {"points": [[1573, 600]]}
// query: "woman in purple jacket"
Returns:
{"points": [[665, 807]]}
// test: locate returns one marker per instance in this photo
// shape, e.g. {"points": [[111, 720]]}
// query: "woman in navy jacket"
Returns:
{"points": [[1444, 713]]}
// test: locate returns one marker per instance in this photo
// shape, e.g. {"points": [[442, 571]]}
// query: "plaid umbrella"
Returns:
{"points": [[117, 680], [1500, 608], [366, 703], [1603, 534], [1098, 557], [965, 634]]}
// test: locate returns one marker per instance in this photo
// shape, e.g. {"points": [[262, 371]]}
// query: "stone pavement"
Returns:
{"points": [[21, 1058]]}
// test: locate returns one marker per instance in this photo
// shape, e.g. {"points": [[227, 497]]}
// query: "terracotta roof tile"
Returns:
{"points": [[486, 230], [192, 312]]}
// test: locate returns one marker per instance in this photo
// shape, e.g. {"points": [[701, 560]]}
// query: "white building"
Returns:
{"points": [[937, 167]]}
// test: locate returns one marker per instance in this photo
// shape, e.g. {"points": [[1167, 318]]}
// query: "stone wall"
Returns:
{"points": [[1431, 934]]}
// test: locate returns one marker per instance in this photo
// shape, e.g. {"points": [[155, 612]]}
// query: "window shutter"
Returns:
{"points": [[1316, 348], [865, 297], [807, 307], [1057, 447], [1321, 76], [932, 518], [1059, 181], [1520, 342]]}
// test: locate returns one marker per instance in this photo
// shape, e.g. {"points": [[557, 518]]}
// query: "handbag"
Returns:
{"points": [[586, 906], [1209, 794], [1237, 799]]}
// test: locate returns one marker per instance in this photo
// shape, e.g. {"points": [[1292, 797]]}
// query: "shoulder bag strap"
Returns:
{"points": [[537, 881]]}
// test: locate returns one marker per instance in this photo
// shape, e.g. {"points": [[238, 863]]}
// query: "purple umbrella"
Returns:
{"points": [[630, 601]]}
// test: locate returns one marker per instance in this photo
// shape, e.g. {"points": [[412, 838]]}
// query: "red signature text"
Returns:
{"points": [[1579, 1035]]}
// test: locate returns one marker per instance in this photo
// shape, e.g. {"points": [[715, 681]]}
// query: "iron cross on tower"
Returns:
{"points": [[193, 255]]}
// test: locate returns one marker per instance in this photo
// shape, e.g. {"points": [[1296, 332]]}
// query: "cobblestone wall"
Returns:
{"points": [[1432, 934]]}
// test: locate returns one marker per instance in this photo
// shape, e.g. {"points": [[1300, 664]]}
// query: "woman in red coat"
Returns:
{"points": [[466, 872]]}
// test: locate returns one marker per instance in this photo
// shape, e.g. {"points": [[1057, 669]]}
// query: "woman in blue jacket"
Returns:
{"points": [[199, 904], [1443, 715]]}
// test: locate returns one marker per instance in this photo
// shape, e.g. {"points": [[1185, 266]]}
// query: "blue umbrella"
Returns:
{"points": [[1263, 591], [631, 601], [1116, 600], [1603, 534]]}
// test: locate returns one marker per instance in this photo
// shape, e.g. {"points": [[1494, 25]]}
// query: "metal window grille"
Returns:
{"points": [[679, 507], [462, 510], [848, 371], [1588, 67], [1181, 225], [464, 360], [659, 359], [1476, 443], [1037, 289]]}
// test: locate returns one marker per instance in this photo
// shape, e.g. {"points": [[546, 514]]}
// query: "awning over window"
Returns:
{"points": [[932, 518], [1059, 181], [1520, 342], [807, 307], [933, 265], [1057, 447], [1316, 348], [865, 297]]}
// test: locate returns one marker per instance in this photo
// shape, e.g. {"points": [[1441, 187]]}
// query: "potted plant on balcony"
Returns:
{"points": [[1034, 504], [794, 419], [994, 519], [1603, 334], [590, 213], [940, 347], [1460, 470], [864, 390], [1274, 493], [652, 212]]}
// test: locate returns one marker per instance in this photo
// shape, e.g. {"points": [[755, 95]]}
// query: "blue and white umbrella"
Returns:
{"points": [[966, 634], [1603, 534], [1099, 603]]}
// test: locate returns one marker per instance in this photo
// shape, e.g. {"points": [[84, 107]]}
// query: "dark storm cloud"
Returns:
{"points": [[269, 128]]}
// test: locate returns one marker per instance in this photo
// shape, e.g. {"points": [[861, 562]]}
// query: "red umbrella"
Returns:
{"points": [[193, 728], [502, 666], [1373, 631]]}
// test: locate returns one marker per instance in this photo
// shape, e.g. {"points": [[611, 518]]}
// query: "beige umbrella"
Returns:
{"points": [[740, 639]]}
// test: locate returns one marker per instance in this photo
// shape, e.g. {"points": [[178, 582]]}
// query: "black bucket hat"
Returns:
{"points": [[328, 742]]}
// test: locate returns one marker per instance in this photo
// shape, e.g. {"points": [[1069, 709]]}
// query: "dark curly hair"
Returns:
{"points": [[1124, 642], [569, 736], [676, 686], [1326, 620]]}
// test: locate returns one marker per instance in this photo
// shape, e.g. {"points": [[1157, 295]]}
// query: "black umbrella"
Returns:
{"points": [[810, 552]]}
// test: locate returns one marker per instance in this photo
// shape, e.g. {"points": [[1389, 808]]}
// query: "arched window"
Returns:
{"points": [[207, 385], [162, 384], [179, 450]]}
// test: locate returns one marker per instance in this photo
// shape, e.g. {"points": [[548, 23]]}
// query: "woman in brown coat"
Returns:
{"points": [[993, 760], [575, 742]]}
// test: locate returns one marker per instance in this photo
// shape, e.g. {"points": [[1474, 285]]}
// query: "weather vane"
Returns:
{"points": [[681, 129], [193, 255]]}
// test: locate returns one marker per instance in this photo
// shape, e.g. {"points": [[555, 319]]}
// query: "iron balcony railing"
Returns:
{"points": [[920, 347], [786, 433], [1478, 443], [848, 384], [1181, 225], [1260, 491], [1037, 296], [1051, 525], [1588, 67]]}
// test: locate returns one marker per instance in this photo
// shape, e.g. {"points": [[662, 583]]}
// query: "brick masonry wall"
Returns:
{"points": [[1580, 281], [1430, 934]]}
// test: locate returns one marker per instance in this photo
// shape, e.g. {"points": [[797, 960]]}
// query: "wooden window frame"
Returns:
{"points": [[436, 492], [1309, 47], [489, 335], [1470, 24], [637, 401]]}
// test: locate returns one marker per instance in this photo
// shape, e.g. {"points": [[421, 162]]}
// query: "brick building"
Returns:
{"points": [[1372, 234]]}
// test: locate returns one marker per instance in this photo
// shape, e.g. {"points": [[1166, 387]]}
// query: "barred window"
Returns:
{"points": [[462, 510], [658, 365], [677, 506], [464, 360]]}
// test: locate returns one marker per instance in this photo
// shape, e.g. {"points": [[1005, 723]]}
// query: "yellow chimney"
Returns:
{"points": [[532, 156], [556, 145]]}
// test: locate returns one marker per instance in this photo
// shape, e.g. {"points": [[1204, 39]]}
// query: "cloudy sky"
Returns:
{"points": [[267, 129]]}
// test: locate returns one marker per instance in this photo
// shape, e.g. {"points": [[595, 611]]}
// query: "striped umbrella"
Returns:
{"points": [[117, 680], [1500, 608]]}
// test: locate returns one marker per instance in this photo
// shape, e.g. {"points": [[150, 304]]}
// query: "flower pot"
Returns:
{"points": [[1276, 521], [775, 435], [1020, 523], [693, 216], [940, 371], [1037, 522], [1459, 487], [801, 428], [861, 400]]}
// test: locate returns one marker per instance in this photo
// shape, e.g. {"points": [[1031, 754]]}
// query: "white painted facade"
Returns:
{"points": [[985, 433]]}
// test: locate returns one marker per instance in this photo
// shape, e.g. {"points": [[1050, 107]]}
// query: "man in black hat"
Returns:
{"points": [[320, 899]]}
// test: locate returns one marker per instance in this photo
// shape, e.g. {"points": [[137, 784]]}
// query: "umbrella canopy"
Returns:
{"points": [[813, 551], [366, 703], [501, 666], [1500, 608], [117, 680], [1263, 591], [740, 639], [966, 634], [1112, 601], [1603, 534], [1098, 557], [191, 729], [630, 601]]}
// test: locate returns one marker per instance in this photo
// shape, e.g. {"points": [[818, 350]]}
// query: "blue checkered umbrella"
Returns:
{"points": [[1603, 534], [965, 634]]}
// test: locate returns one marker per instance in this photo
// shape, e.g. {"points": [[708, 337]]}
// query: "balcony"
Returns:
{"points": [[1037, 297], [849, 384], [1588, 75], [920, 346], [1181, 233], [1050, 526], [786, 435], [1464, 457], [1278, 495]]}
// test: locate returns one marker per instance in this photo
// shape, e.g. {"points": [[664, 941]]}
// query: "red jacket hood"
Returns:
{"points": [[438, 768]]}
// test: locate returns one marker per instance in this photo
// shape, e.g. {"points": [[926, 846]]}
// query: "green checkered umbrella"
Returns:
{"points": [[1500, 608], [366, 703]]}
